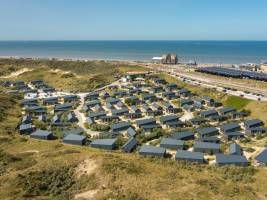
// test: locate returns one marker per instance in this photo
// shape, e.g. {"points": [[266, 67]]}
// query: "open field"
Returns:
{"points": [[66, 75]]}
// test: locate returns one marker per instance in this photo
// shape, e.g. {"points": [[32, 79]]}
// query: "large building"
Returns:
{"points": [[169, 58]]}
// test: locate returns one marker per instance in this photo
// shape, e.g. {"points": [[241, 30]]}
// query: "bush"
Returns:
{"points": [[99, 127]]}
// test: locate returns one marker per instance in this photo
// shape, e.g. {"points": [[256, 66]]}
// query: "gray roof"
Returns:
{"points": [[209, 113], [25, 126], [253, 122], [235, 149], [188, 155], [227, 110], [206, 131], [262, 157], [152, 149], [131, 132], [231, 126], [107, 142], [74, 137], [143, 122], [171, 142], [96, 114], [40, 132], [129, 145], [121, 125], [182, 135], [119, 111], [222, 159], [206, 145], [167, 118]]}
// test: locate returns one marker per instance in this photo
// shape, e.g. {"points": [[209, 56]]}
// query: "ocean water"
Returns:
{"points": [[234, 52]]}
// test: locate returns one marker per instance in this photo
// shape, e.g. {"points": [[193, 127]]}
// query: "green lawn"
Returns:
{"points": [[237, 102]]}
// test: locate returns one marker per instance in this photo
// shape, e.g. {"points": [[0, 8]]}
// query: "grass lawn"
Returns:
{"points": [[236, 102]]}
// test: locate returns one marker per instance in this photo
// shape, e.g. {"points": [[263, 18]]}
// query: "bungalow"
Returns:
{"points": [[156, 106], [121, 126], [133, 115], [253, 123], [185, 135], [218, 118], [233, 136], [212, 139], [42, 135], [188, 102], [199, 101], [26, 128], [169, 118], [149, 97], [69, 98], [184, 92], [47, 90], [29, 102], [105, 95], [208, 100], [120, 94], [35, 110], [262, 157], [50, 101], [131, 132], [42, 118], [92, 103], [150, 127], [239, 114], [175, 124], [120, 105], [142, 122], [130, 145], [189, 108], [109, 106], [90, 120], [207, 131], [96, 115], [232, 127], [197, 121], [169, 95], [170, 143], [206, 147], [256, 130], [112, 100], [147, 109], [134, 109], [237, 160], [55, 119], [227, 110], [74, 139], [235, 149], [109, 118], [98, 108], [147, 150], [26, 119], [92, 96], [189, 156], [71, 117], [109, 134], [209, 113], [159, 81], [62, 107], [119, 112], [107, 144], [157, 89], [171, 86]]}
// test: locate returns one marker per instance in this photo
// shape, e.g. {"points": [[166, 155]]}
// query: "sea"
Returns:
{"points": [[229, 52]]}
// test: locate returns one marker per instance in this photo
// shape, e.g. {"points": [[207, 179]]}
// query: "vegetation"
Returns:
{"points": [[237, 102], [33, 169], [67, 75]]}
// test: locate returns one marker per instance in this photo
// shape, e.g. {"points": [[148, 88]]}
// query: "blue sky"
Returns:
{"points": [[133, 19]]}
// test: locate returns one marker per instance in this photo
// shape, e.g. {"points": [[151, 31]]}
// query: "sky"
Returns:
{"points": [[133, 19]]}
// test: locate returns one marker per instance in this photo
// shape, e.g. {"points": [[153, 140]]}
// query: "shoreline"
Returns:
{"points": [[106, 60]]}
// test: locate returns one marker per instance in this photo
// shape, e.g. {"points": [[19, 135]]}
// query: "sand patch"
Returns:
{"points": [[87, 167], [90, 194], [17, 73]]}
